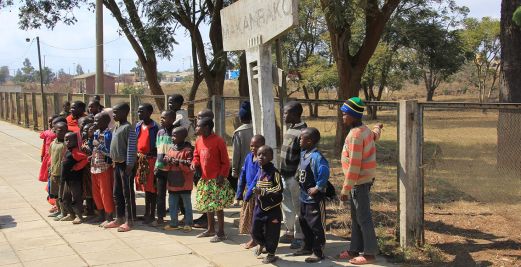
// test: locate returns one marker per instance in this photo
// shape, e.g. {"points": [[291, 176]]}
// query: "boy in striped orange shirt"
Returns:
{"points": [[359, 167]]}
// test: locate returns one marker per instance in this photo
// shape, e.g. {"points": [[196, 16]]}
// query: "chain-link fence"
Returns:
{"points": [[472, 173]]}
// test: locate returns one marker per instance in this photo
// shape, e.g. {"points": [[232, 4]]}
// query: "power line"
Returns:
{"points": [[83, 48], [25, 54]]}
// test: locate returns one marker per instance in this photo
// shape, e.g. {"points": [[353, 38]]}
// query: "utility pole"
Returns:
{"points": [[44, 103], [99, 47]]}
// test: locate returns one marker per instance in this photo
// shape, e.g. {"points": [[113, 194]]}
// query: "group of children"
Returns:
{"points": [[95, 155]]}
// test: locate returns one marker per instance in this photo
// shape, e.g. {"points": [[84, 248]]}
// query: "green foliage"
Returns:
{"points": [[517, 16], [319, 74], [132, 90], [79, 70]]}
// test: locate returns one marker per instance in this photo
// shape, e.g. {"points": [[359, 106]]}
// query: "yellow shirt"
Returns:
{"points": [[57, 150]]}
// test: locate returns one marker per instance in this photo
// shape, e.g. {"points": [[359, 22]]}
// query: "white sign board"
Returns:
{"points": [[246, 19]]}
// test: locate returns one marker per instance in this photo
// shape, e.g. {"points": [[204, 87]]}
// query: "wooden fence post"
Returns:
{"points": [[18, 109], [108, 103], [166, 102], [411, 174], [35, 112], [2, 105], [218, 108], [85, 99], [56, 103], [26, 110], [13, 107], [131, 103]]}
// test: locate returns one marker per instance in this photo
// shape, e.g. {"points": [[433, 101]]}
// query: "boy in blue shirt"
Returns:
{"points": [[313, 175], [245, 187]]}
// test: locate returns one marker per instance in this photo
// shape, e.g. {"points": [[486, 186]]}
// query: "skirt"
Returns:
{"points": [[211, 197], [148, 183], [246, 217]]}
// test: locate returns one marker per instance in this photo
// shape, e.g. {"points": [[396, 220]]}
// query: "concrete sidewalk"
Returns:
{"points": [[29, 238]]}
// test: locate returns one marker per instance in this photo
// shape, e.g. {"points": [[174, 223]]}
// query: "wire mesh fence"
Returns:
{"points": [[472, 173]]}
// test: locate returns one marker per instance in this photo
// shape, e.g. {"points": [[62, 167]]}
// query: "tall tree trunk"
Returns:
{"points": [[244, 90], [150, 69], [430, 94], [316, 92], [306, 96], [509, 122], [196, 83]]}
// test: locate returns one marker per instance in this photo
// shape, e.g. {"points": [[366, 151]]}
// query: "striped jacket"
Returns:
{"points": [[123, 147], [359, 157], [163, 143], [290, 150]]}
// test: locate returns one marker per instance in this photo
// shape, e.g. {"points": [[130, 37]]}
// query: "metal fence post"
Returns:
{"points": [[26, 110], [18, 109], [35, 112], [218, 111], [410, 175]]}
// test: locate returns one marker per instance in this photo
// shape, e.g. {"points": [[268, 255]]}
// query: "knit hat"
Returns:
{"points": [[354, 106], [245, 111]]}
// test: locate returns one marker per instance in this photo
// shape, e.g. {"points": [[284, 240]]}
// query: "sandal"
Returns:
{"points": [[124, 228], [113, 224], [258, 251], [217, 238], [347, 255], [361, 260], [249, 245], [205, 234]]}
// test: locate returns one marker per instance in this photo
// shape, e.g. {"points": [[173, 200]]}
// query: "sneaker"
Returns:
{"points": [[171, 228], [314, 258], [296, 244], [187, 228], [286, 239], [54, 214], [271, 258], [58, 217], [68, 218]]}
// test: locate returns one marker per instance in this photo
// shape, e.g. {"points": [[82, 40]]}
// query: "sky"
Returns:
{"points": [[66, 46]]}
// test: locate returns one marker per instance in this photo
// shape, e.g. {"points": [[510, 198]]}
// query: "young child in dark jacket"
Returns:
{"points": [[73, 164], [313, 175], [267, 216]]}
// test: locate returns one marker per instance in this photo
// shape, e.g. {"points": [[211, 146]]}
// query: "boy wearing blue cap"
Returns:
{"points": [[359, 167]]}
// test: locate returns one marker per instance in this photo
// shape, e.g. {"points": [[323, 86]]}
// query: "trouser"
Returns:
{"points": [[124, 194], [59, 201], [174, 201], [363, 237], [291, 206], [150, 205], [161, 182], [54, 187], [102, 190], [73, 197], [266, 228], [313, 220]]}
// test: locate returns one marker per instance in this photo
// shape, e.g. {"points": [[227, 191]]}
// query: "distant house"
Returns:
{"points": [[86, 83]]}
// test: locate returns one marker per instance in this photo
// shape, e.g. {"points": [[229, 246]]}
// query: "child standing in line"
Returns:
{"points": [[180, 179], [163, 143], [245, 187], [241, 141], [123, 154], [146, 132], [359, 167], [313, 175], [102, 173], [213, 190], [267, 217], [73, 164], [56, 152], [94, 107], [48, 136], [87, 136], [175, 102], [77, 112], [66, 109], [290, 157]]}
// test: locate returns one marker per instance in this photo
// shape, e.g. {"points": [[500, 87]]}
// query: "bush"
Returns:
{"points": [[132, 90]]}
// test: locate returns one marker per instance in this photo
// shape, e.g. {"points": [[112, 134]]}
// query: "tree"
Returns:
{"points": [[190, 14], [48, 75], [147, 31], [482, 42], [509, 128], [319, 74], [28, 71], [138, 71], [79, 70], [4, 74]]}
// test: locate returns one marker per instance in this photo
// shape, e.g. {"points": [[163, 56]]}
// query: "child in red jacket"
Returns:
{"points": [[180, 179]]}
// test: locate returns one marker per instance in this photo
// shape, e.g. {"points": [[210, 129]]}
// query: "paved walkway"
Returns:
{"points": [[29, 238]]}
